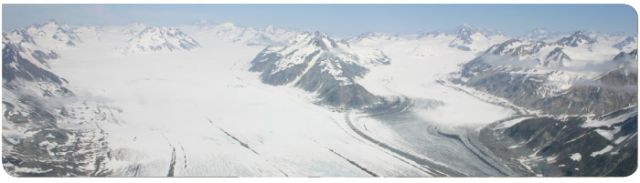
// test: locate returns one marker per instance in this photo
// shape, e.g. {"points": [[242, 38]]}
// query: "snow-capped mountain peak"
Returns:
{"points": [[516, 48], [309, 46], [318, 63], [19, 63], [51, 25], [626, 56], [134, 29], [50, 35], [470, 38], [359, 55], [372, 38], [321, 40], [375, 35], [160, 39], [37, 42], [576, 39], [556, 58], [629, 43], [578, 47], [465, 32]]}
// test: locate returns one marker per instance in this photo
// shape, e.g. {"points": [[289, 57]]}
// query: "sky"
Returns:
{"points": [[339, 20]]}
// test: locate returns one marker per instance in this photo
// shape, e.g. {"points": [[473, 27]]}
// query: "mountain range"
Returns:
{"points": [[569, 100]]}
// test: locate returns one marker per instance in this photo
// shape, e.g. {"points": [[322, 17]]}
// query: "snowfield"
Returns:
{"points": [[201, 113], [198, 111], [189, 102], [414, 73]]}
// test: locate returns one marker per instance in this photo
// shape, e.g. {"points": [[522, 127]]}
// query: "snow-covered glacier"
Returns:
{"points": [[222, 100]]}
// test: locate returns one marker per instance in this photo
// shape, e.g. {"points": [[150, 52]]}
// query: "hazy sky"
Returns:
{"points": [[341, 20]]}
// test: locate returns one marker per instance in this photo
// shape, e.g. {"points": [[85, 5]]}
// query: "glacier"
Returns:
{"points": [[222, 100]]}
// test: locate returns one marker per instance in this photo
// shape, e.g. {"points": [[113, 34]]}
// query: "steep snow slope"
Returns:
{"points": [[550, 76], [568, 146], [627, 44], [320, 64], [50, 35], [574, 51], [580, 104], [39, 41], [47, 129]]}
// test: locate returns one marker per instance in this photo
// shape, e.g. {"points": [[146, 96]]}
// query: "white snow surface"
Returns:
{"points": [[50, 35], [608, 122], [576, 156], [203, 113], [602, 151], [186, 106], [415, 67], [159, 39], [311, 48]]}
